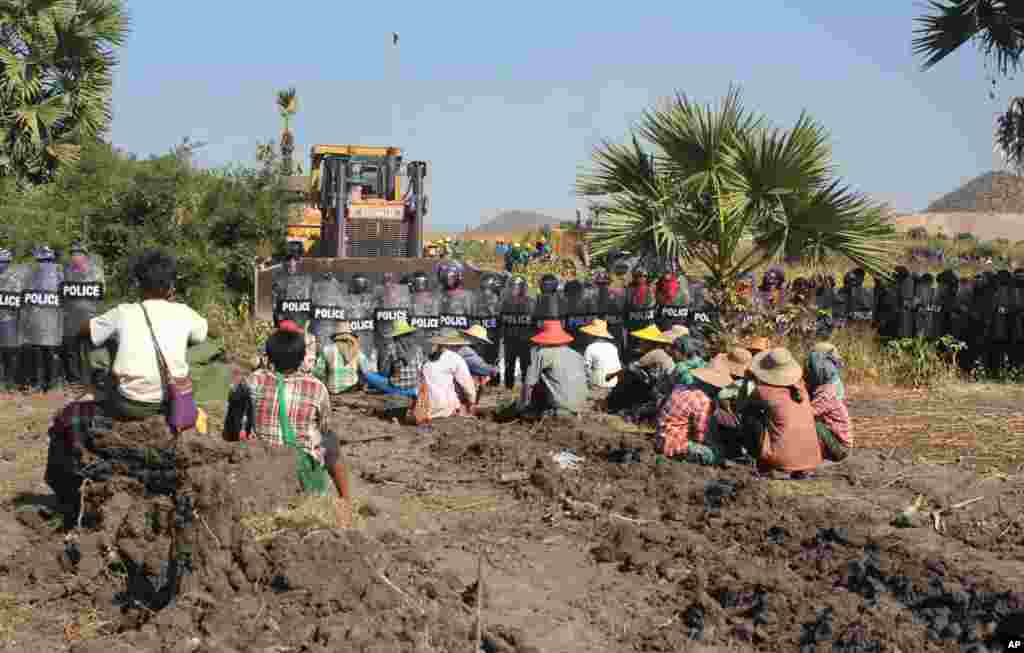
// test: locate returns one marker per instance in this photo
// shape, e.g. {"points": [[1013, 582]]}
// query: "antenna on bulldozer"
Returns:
{"points": [[395, 81]]}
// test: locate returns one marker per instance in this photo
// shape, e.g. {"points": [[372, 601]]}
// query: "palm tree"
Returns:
{"points": [[287, 106], [997, 26], [56, 76], [724, 189]]}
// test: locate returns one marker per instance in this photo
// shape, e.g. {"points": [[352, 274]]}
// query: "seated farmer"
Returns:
{"points": [[831, 417], [686, 352], [446, 386], [685, 425], [309, 362], [778, 419], [556, 381], [136, 390], [641, 387], [478, 367], [340, 363], [290, 407], [398, 362], [829, 351], [601, 357]]}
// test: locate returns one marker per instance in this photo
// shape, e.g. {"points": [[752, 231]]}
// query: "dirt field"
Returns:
{"points": [[605, 557]]}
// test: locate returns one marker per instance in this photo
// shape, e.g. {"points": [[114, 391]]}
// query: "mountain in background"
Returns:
{"points": [[989, 206], [992, 192], [515, 221]]}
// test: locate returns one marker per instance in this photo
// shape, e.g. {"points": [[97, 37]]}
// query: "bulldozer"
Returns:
{"points": [[359, 217]]}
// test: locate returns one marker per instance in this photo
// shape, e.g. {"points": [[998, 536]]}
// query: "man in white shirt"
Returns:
{"points": [[137, 390], [601, 357]]}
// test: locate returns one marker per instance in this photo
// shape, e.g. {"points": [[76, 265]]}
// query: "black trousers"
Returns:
{"points": [[40, 366], [74, 354], [10, 371], [515, 350]]}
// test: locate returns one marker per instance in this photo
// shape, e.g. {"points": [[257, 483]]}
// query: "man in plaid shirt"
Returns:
{"points": [[307, 405], [399, 362]]}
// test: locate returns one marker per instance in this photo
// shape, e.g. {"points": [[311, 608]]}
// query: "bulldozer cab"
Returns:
{"points": [[370, 203]]}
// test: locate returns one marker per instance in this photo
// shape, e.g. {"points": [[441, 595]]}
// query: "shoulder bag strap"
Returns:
{"points": [[161, 362], [288, 435]]}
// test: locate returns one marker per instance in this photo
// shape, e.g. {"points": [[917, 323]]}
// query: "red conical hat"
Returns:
{"points": [[551, 333]]}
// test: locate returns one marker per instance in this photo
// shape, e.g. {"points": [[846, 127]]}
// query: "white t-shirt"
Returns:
{"points": [[601, 359], [176, 325]]}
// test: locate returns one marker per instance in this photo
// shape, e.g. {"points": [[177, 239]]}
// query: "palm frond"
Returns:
{"points": [[287, 102], [1009, 134], [997, 24], [833, 220]]}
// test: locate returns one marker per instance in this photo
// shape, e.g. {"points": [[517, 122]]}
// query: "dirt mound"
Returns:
{"points": [[741, 560], [163, 555]]}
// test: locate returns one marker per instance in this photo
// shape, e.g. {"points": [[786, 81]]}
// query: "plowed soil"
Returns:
{"points": [[603, 557]]}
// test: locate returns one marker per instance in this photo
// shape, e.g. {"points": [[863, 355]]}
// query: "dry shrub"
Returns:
{"points": [[243, 335]]}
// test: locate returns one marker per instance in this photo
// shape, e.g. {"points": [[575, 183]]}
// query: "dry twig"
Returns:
{"points": [[479, 602]]}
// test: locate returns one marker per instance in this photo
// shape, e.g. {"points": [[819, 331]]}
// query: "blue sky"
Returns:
{"points": [[507, 100]]}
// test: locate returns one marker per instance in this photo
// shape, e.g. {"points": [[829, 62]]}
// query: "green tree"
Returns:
{"points": [[997, 27], [287, 107], [56, 74], [725, 189]]}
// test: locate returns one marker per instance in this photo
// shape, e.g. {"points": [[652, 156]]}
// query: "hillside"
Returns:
{"points": [[515, 221], [992, 192]]}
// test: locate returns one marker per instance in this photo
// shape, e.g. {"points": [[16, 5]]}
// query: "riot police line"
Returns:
{"points": [[985, 312], [42, 307], [43, 304]]}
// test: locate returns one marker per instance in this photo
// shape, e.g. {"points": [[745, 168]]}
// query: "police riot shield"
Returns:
{"points": [[487, 313], [825, 304], [578, 309], [359, 320], [906, 306], [327, 308], [640, 312], [517, 322], [293, 297], [1017, 318], [951, 319], [81, 294], [12, 286], [855, 305], [999, 326], [924, 300], [455, 308], [609, 304], [673, 299], [40, 321], [425, 315], [703, 313], [391, 302]]}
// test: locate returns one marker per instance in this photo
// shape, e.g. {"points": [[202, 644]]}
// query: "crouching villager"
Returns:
{"points": [[685, 425], [398, 362], [831, 416], [641, 384], [481, 371], [556, 381], [687, 353], [286, 406], [135, 390], [601, 356], [778, 419], [446, 386], [340, 363], [829, 351], [308, 362]]}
